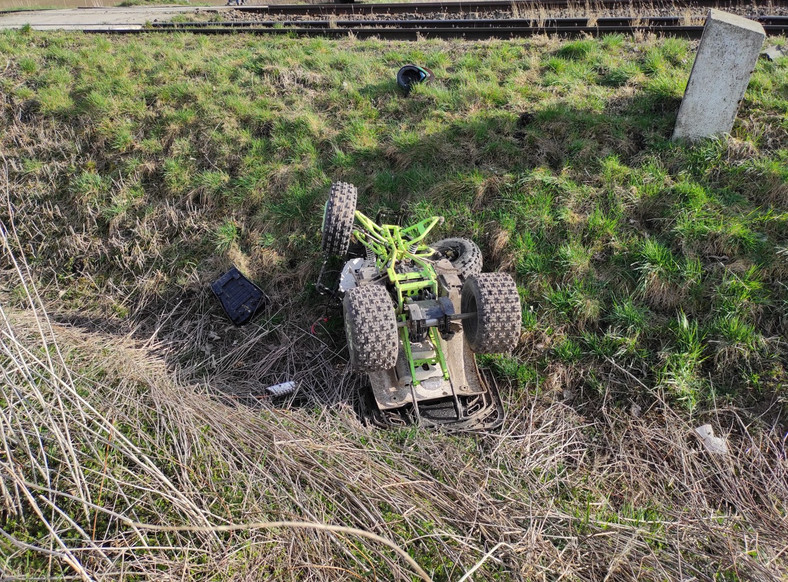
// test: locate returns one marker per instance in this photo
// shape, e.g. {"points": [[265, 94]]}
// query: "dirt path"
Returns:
{"points": [[130, 18]]}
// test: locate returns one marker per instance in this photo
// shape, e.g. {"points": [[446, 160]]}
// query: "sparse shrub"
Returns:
{"points": [[123, 201], [212, 181], [603, 225], [28, 65], [576, 259], [612, 344], [578, 305], [577, 50], [614, 172], [535, 263], [226, 235], [568, 351], [122, 137], [680, 374], [89, 187], [556, 65], [511, 368], [736, 340], [675, 51], [716, 235], [177, 175], [742, 295], [530, 321], [660, 275], [628, 315], [55, 100], [612, 41], [96, 102], [618, 76], [653, 62], [662, 94]]}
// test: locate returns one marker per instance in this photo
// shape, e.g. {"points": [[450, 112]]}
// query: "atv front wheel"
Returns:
{"points": [[338, 218], [371, 328], [496, 326], [462, 253]]}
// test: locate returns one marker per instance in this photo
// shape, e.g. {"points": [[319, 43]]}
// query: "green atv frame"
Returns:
{"points": [[415, 314]]}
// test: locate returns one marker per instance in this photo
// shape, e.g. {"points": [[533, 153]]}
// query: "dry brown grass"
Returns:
{"points": [[141, 446], [124, 471], [661, 293]]}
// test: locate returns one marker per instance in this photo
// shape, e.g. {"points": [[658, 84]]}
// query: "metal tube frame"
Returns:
{"points": [[393, 244]]}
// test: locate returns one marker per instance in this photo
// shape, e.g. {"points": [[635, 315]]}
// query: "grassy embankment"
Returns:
{"points": [[651, 273]]}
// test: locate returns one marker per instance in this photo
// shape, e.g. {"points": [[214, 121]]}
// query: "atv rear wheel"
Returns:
{"points": [[463, 254], [371, 328], [496, 325], [338, 218]]}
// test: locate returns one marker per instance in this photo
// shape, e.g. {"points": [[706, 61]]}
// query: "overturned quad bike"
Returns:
{"points": [[415, 314]]}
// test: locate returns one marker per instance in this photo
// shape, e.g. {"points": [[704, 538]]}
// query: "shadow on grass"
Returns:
{"points": [[298, 342], [503, 141], [292, 341]]}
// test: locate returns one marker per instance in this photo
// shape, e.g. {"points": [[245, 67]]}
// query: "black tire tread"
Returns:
{"points": [[371, 327], [468, 261], [339, 217], [496, 327]]}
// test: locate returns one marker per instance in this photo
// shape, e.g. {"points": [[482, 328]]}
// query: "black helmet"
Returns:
{"points": [[409, 75]]}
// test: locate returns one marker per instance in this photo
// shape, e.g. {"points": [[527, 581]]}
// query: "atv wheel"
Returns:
{"points": [[494, 299], [463, 254], [371, 328], [338, 218]]}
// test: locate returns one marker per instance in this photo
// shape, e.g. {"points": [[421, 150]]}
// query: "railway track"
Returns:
{"points": [[488, 6], [457, 28], [469, 20]]}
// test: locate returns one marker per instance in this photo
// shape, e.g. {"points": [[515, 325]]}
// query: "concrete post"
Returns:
{"points": [[727, 54]]}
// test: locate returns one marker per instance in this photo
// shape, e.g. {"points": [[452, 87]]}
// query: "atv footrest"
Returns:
{"points": [[240, 298]]}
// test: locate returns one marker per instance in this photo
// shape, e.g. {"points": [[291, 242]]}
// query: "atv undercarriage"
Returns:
{"points": [[415, 314]]}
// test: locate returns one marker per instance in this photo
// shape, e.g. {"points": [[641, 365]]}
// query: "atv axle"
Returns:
{"points": [[436, 322]]}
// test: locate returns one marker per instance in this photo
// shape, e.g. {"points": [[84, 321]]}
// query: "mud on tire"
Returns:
{"points": [[371, 328], [496, 326], [463, 254], [338, 218]]}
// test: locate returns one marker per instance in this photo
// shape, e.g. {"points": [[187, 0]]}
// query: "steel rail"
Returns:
{"points": [[654, 22], [486, 6], [468, 33]]}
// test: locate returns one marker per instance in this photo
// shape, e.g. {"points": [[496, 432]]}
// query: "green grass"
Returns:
{"points": [[592, 193], [650, 271]]}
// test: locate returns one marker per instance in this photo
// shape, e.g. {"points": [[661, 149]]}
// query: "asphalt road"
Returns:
{"points": [[130, 18]]}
